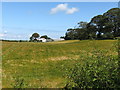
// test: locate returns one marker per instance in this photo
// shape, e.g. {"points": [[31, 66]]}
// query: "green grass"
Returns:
{"points": [[44, 64]]}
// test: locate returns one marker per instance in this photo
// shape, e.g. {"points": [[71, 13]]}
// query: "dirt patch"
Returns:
{"points": [[58, 58], [62, 42], [63, 58], [33, 61]]}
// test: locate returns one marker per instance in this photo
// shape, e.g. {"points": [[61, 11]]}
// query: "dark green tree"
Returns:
{"points": [[34, 37], [99, 23], [45, 36], [82, 24], [113, 21], [91, 30], [106, 26], [70, 34], [31, 39]]}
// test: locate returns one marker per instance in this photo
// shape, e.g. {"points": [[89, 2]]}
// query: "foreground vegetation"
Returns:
{"points": [[51, 65]]}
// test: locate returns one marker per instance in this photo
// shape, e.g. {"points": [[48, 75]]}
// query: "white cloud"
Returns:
{"points": [[60, 7], [72, 10], [63, 7]]}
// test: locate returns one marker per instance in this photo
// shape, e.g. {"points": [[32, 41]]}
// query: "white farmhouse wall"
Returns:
{"points": [[43, 39]]}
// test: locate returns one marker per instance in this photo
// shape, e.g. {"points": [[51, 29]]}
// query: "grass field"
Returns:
{"points": [[43, 65]]}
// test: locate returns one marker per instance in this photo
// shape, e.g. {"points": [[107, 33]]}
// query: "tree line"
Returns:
{"points": [[106, 26], [36, 36]]}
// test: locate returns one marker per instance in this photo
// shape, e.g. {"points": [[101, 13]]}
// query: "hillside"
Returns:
{"points": [[44, 64]]}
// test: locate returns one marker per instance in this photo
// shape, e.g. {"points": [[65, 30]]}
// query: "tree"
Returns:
{"points": [[106, 26], [91, 30], [70, 34], [67, 37], [82, 33], [62, 37], [45, 36], [31, 39], [99, 23], [113, 19], [34, 37], [82, 24]]}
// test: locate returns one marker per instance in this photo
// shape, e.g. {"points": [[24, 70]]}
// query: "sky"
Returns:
{"points": [[21, 19]]}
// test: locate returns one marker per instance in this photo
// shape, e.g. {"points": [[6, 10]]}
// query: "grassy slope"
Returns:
{"points": [[44, 64]]}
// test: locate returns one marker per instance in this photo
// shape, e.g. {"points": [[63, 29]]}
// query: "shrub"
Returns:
{"points": [[97, 71], [19, 83]]}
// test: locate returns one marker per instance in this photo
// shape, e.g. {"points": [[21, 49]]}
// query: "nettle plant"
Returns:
{"points": [[97, 71]]}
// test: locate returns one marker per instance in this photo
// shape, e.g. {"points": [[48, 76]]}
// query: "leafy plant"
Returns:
{"points": [[19, 83], [97, 71]]}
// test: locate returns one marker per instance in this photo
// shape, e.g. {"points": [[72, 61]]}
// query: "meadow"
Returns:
{"points": [[44, 65]]}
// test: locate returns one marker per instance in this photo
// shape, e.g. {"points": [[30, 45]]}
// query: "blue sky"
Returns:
{"points": [[21, 19]]}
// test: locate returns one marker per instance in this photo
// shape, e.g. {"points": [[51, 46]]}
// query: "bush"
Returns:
{"points": [[19, 82], [97, 71]]}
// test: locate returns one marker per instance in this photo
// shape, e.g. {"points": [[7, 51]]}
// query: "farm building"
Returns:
{"points": [[44, 40]]}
